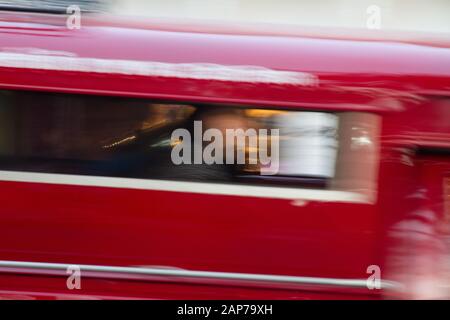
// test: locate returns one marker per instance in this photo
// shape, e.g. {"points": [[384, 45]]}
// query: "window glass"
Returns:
{"points": [[139, 138]]}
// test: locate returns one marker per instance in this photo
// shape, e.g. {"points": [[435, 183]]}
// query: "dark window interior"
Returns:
{"points": [[125, 137]]}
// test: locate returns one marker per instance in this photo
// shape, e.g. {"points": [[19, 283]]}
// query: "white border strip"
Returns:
{"points": [[188, 187], [20, 267], [199, 71]]}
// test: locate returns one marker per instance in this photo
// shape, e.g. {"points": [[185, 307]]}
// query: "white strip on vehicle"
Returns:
{"points": [[199, 71], [187, 187]]}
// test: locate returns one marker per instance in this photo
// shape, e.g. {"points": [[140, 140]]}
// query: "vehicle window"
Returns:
{"points": [[137, 138]]}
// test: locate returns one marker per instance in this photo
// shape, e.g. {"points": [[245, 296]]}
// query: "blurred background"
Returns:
{"points": [[411, 15], [433, 15]]}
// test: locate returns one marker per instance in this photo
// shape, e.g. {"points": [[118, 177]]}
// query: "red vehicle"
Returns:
{"points": [[363, 192]]}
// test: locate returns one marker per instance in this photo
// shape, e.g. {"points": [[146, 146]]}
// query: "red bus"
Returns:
{"points": [[360, 207]]}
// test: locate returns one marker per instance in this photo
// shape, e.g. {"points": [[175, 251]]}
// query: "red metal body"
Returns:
{"points": [[408, 85]]}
